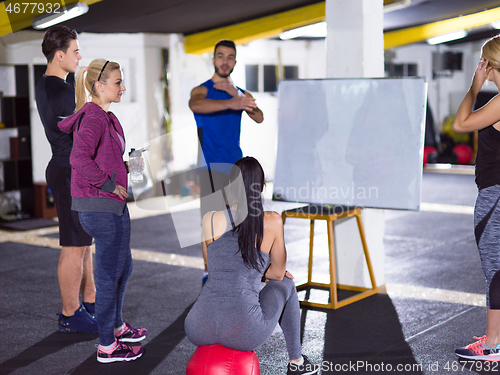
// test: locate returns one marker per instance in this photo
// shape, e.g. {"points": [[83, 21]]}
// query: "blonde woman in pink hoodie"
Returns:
{"points": [[98, 190]]}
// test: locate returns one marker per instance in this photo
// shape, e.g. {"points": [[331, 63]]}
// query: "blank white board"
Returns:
{"points": [[356, 142]]}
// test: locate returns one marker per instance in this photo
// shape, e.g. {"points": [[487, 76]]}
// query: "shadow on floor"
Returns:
{"points": [[155, 352], [379, 347], [49, 345]]}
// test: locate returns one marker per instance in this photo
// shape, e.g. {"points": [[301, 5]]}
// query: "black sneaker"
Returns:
{"points": [[90, 307], [306, 368], [82, 321]]}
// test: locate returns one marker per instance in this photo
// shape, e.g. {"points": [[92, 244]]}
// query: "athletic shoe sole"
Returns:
{"points": [[72, 330], [480, 357], [132, 340], [111, 360], [132, 334]]}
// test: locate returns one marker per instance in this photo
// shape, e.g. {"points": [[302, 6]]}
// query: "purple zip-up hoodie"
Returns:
{"points": [[96, 160]]}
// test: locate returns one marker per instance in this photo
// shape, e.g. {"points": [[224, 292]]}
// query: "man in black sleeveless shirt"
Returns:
{"points": [[55, 99]]}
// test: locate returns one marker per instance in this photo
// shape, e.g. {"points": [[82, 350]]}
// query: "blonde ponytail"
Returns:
{"points": [[81, 95], [491, 51], [98, 69]]}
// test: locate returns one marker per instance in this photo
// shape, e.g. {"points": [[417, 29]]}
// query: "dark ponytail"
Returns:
{"points": [[249, 211]]}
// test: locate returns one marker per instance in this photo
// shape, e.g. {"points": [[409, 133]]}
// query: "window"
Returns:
{"points": [[270, 82], [291, 72], [263, 78], [401, 70], [252, 77]]}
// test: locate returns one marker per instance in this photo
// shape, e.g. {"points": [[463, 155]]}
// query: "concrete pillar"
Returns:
{"points": [[355, 49], [355, 41]]}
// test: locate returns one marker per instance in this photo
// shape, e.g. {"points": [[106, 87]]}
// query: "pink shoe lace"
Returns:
{"points": [[478, 346]]}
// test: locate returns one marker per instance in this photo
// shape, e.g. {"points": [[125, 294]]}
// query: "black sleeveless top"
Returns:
{"points": [[488, 158]]}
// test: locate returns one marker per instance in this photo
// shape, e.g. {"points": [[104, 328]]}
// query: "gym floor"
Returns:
{"points": [[433, 300]]}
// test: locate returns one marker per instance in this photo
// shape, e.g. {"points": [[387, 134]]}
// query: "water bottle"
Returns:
{"points": [[136, 166]]}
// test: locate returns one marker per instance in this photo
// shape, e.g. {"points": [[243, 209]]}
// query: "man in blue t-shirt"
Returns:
{"points": [[217, 105]]}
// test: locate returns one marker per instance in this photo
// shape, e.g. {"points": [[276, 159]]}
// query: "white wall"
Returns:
{"points": [[151, 83], [186, 72]]}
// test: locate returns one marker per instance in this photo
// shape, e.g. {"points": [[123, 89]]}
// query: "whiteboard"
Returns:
{"points": [[356, 142]]}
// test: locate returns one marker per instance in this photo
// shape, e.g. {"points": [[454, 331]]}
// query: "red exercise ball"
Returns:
{"points": [[464, 153], [428, 150], [219, 360]]}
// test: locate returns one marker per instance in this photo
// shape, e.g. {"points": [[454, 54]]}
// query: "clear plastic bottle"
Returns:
{"points": [[136, 166]]}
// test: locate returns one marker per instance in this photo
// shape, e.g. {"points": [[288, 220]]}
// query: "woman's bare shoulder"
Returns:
{"points": [[214, 216], [213, 221], [272, 218]]}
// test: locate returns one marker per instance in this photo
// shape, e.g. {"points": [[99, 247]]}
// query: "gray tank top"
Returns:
{"points": [[229, 277]]}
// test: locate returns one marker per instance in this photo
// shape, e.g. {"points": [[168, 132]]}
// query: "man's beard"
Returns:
{"points": [[222, 75]]}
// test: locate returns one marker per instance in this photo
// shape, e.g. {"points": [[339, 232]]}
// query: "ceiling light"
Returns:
{"points": [[448, 37], [390, 6], [317, 30], [67, 13]]}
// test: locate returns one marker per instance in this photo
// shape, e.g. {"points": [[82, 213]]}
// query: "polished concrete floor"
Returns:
{"points": [[432, 302]]}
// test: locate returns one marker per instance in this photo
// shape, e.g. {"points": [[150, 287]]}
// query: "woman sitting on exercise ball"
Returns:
{"points": [[245, 244]]}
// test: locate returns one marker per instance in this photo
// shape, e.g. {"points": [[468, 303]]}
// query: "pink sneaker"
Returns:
{"points": [[130, 334], [119, 353], [479, 350]]}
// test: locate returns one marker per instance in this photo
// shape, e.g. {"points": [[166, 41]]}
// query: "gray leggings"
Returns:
{"points": [[487, 232], [244, 326]]}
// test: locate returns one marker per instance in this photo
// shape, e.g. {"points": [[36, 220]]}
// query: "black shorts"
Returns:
{"points": [[211, 185], [71, 232]]}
